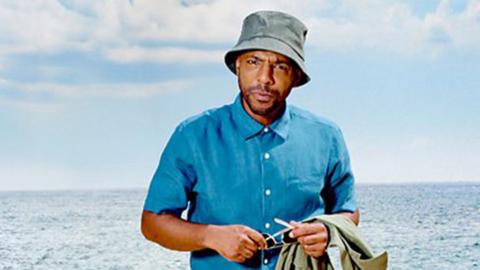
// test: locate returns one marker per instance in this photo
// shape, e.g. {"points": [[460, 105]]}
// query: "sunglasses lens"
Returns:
{"points": [[270, 240]]}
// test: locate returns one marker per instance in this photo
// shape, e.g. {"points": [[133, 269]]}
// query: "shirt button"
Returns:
{"points": [[267, 225], [266, 156], [268, 192], [265, 130], [265, 261]]}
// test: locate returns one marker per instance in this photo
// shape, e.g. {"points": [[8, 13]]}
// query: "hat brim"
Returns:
{"points": [[268, 44]]}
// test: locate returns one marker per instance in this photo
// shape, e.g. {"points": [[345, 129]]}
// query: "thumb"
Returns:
{"points": [[295, 223]]}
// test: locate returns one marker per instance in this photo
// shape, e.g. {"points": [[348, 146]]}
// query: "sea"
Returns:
{"points": [[421, 226]]}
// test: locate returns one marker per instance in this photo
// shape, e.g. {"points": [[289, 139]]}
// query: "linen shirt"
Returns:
{"points": [[225, 168]]}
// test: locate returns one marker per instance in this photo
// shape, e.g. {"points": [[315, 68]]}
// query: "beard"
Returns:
{"points": [[262, 100]]}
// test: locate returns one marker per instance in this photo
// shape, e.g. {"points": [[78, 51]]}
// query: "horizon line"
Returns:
{"points": [[90, 189]]}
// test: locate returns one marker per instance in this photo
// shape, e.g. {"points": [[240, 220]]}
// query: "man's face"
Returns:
{"points": [[265, 79]]}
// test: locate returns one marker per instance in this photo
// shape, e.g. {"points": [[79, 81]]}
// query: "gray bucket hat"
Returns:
{"points": [[272, 31]]}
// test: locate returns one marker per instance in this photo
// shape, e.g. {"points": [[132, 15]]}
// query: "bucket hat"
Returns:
{"points": [[272, 31]]}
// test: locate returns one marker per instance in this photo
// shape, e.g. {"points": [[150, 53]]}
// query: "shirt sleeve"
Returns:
{"points": [[339, 188], [172, 183]]}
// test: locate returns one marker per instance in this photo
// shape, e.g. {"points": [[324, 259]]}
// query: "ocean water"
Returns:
{"points": [[428, 226]]}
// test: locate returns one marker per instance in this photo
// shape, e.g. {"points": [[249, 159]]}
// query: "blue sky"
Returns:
{"points": [[90, 91]]}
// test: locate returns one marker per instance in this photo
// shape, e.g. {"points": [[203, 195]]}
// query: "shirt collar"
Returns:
{"points": [[282, 124], [248, 127]]}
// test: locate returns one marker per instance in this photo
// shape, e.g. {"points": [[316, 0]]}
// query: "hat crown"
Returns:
{"points": [[272, 31], [277, 25]]}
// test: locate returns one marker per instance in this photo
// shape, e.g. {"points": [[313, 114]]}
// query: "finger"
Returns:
{"points": [[295, 226], [295, 223], [313, 243], [308, 229], [247, 253], [234, 258], [312, 239], [239, 259], [247, 243], [256, 237], [315, 250]]}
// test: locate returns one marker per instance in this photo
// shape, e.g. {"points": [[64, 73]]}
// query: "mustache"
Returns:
{"points": [[264, 88]]}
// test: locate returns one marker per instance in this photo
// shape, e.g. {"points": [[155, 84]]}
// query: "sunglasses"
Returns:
{"points": [[271, 239]]}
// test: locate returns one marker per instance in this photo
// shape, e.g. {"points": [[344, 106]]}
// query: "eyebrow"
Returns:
{"points": [[288, 61]]}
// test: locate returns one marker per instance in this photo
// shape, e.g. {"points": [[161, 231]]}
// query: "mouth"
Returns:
{"points": [[262, 95]]}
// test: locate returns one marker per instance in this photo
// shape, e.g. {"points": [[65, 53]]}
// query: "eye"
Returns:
{"points": [[252, 61], [282, 67]]}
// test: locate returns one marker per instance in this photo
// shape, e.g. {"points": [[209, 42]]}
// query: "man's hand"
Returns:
{"points": [[234, 242], [312, 236]]}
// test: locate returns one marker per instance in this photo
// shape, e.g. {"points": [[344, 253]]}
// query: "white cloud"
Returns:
{"points": [[164, 55], [48, 97], [378, 26], [39, 26], [393, 27], [122, 27], [139, 90], [31, 106], [463, 28]]}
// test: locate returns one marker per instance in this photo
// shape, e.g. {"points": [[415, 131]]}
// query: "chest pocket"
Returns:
{"points": [[305, 183], [303, 195]]}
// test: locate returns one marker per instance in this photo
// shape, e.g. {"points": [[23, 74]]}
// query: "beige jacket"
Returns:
{"points": [[355, 254]]}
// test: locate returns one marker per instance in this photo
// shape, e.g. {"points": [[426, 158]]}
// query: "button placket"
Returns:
{"points": [[268, 164]]}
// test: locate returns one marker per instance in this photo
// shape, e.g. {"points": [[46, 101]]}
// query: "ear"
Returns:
{"points": [[297, 77], [237, 64]]}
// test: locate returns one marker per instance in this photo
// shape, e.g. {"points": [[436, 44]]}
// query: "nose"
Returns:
{"points": [[265, 74]]}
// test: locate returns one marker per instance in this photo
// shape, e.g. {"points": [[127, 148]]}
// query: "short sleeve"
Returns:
{"points": [[339, 188], [172, 183]]}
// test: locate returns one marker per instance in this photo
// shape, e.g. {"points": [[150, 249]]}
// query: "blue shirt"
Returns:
{"points": [[226, 168]]}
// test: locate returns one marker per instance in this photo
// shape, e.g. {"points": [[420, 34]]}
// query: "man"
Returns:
{"points": [[238, 167]]}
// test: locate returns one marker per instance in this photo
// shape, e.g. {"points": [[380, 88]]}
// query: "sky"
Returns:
{"points": [[90, 91]]}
